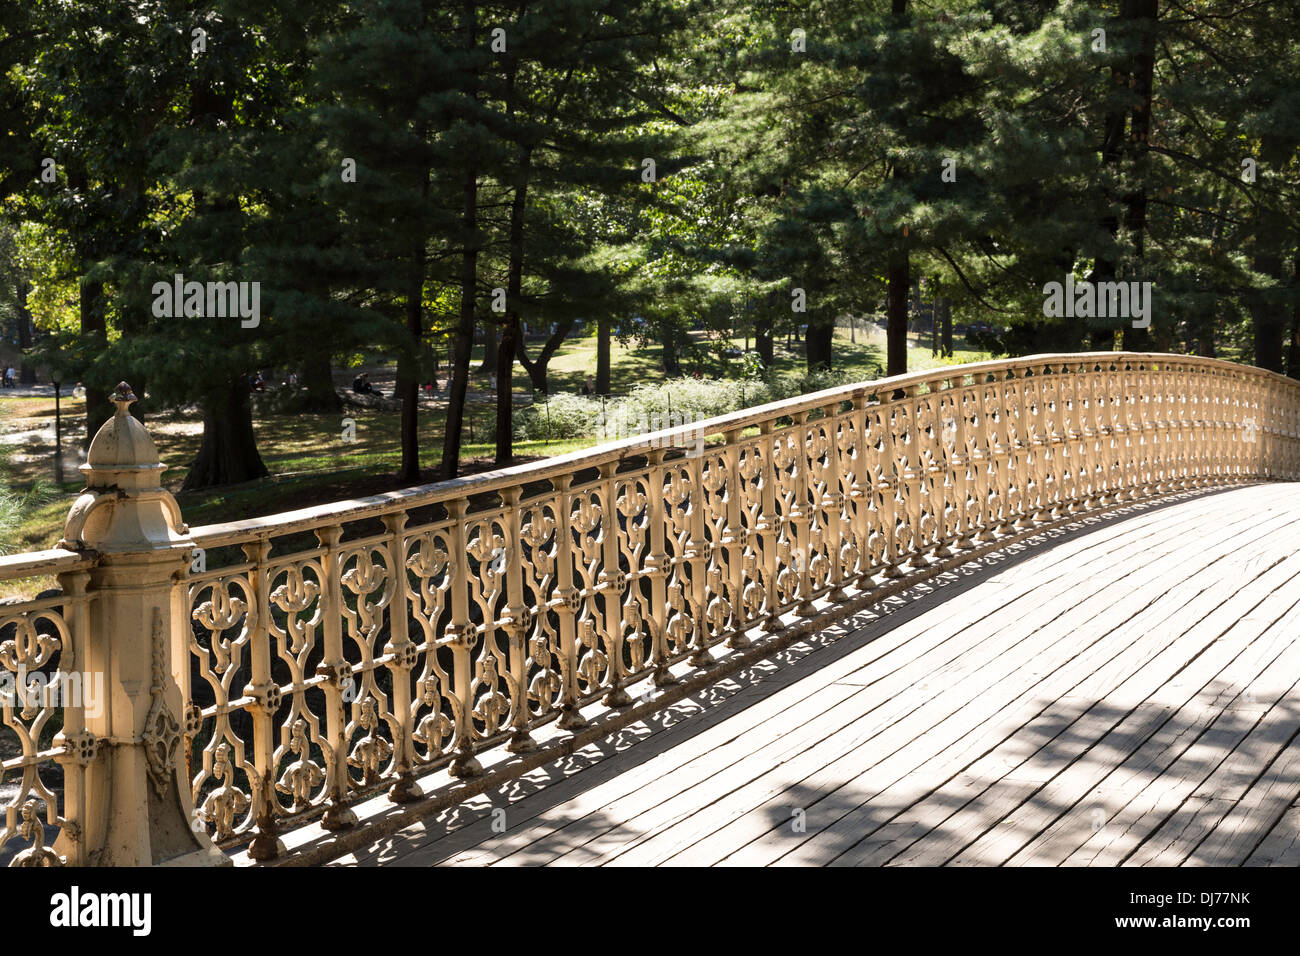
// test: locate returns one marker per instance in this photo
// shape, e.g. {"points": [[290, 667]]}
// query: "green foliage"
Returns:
{"points": [[778, 169]]}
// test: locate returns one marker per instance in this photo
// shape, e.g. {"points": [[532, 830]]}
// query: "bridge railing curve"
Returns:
{"points": [[264, 673]]}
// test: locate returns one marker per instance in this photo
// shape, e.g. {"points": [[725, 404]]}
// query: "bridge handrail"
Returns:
{"points": [[305, 519]]}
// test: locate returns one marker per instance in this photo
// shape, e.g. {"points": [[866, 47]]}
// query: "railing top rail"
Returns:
{"points": [[39, 563], [308, 519]]}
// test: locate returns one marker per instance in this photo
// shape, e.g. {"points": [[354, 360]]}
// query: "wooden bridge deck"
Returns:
{"points": [[1124, 691]]}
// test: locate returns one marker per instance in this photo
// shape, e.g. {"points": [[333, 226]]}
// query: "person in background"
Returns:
{"points": [[587, 387], [9, 377], [361, 384]]}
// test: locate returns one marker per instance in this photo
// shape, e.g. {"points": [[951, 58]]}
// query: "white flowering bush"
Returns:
{"points": [[652, 407]]}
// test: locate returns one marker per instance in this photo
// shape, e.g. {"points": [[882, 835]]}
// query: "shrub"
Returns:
{"points": [[667, 404], [559, 416]]}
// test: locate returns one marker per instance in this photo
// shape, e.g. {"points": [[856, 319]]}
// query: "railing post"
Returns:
{"points": [[405, 655], [337, 672], [832, 503], [610, 585], [137, 805], [461, 632], [801, 514], [79, 748], [1019, 395], [565, 604], [734, 539], [860, 491], [983, 461], [266, 844], [940, 484], [960, 467], [914, 476], [517, 620], [1001, 450], [890, 484], [698, 551], [768, 528], [1093, 439], [1037, 444], [656, 567]]}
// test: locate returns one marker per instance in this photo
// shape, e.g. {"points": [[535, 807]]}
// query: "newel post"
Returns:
{"points": [[138, 806]]}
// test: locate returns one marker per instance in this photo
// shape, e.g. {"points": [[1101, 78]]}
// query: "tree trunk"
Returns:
{"points": [[1270, 327], [946, 306], [511, 335], [1139, 340], [26, 370], [603, 332], [1268, 307], [763, 340], [537, 370], [671, 360], [819, 345], [1267, 313], [896, 314], [94, 329], [1103, 339], [318, 381], [228, 454], [510, 338], [408, 362], [1203, 322], [491, 339], [463, 339]]}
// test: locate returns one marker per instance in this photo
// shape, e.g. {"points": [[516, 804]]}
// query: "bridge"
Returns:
{"points": [[1032, 611]]}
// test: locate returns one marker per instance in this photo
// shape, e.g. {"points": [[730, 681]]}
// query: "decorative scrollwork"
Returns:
{"points": [[226, 803], [304, 775]]}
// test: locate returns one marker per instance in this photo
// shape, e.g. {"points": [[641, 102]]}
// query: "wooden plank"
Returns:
{"points": [[1281, 847], [1127, 737], [1006, 751], [1255, 815], [902, 733], [855, 825], [1152, 828], [1075, 738]]}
